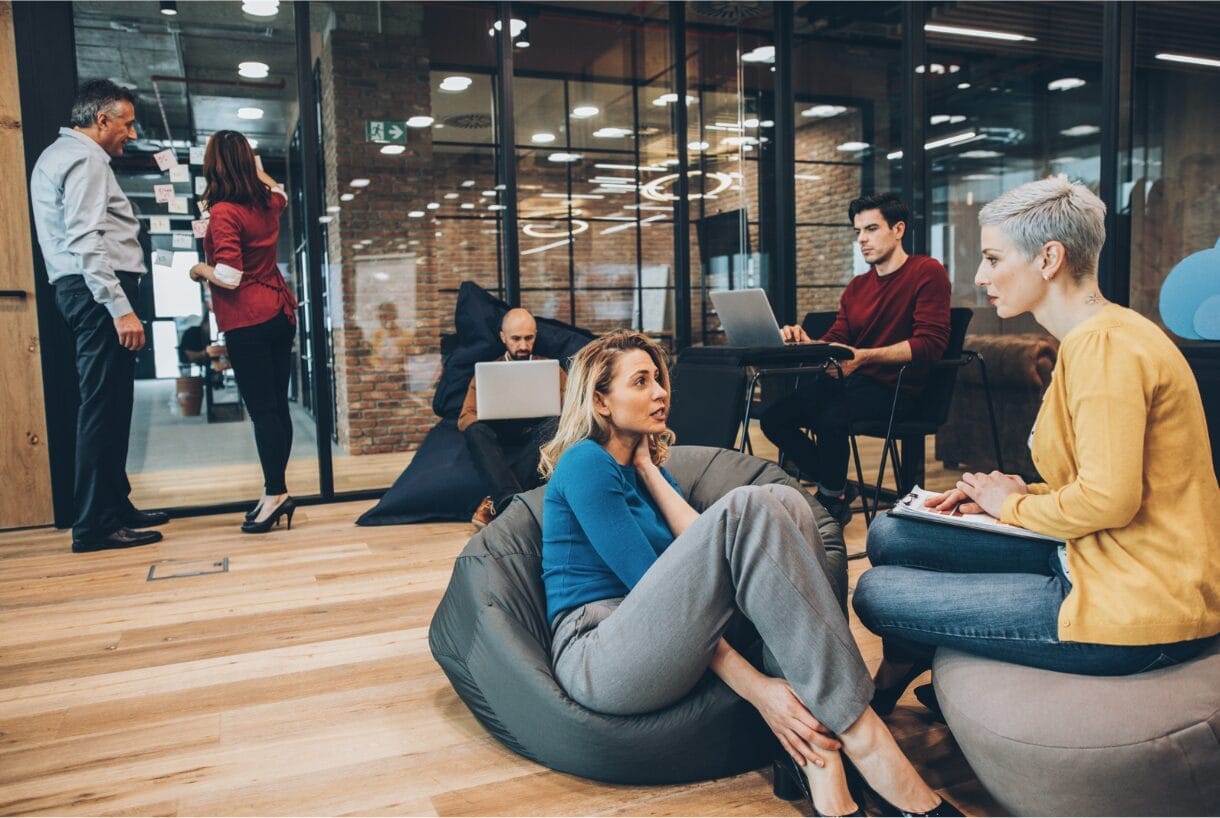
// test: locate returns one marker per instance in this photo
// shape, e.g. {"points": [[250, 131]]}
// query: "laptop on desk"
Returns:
{"points": [[750, 325], [511, 390]]}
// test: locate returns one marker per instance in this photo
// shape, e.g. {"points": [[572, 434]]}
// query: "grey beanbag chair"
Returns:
{"points": [[1046, 743], [491, 637]]}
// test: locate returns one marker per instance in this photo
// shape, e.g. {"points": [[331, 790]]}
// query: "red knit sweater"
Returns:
{"points": [[909, 304], [243, 236]]}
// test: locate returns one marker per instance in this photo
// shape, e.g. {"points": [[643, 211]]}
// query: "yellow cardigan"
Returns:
{"points": [[1121, 440]]}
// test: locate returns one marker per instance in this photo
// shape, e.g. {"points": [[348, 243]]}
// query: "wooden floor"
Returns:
{"points": [[297, 683]]}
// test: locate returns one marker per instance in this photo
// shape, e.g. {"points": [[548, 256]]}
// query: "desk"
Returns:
{"points": [[792, 359]]}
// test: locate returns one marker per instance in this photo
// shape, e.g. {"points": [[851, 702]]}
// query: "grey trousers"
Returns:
{"points": [[757, 551]]}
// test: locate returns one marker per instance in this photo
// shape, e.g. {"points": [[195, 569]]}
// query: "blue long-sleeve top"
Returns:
{"points": [[601, 530]]}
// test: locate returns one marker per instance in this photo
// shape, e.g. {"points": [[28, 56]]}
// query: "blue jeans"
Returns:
{"points": [[941, 586]]}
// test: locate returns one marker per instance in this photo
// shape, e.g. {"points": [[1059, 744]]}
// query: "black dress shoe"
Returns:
{"points": [[122, 538], [144, 519], [285, 509]]}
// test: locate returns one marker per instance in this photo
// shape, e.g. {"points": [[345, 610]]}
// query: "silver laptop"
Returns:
{"points": [[507, 390], [747, 318]]}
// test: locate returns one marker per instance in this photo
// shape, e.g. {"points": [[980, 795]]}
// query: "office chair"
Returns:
{"points": [[930, 413]]}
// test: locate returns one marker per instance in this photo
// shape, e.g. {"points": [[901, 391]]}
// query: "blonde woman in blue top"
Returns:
{"points": [[641, 587]]}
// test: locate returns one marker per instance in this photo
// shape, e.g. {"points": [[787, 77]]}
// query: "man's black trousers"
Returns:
{"points": [[505, 452]]}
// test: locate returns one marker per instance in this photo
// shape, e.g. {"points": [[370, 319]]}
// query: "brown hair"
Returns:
{"points": [[591, 371], [228, 166]]}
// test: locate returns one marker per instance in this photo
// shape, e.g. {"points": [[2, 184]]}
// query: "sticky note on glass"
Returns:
{"points": [[179, 204], [158, 224], [163, 258], [197, 156], [201, 184], [165, 159], [199, 228], [180, 173], [183, 241], [164, 193]]}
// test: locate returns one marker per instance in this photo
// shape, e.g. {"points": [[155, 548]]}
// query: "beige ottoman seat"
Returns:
{"points": [[1046, 743]]}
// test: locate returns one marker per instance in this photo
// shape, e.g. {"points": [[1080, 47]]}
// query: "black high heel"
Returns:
{"points": [[789, 784], [252, 514], [886, 698], [942, 810], [286, 508]]}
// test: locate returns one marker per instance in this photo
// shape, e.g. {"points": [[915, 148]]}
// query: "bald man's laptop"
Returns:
{"points": [[511, 390]]}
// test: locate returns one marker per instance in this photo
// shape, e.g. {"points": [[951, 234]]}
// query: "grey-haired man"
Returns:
{"points": [[89, 239]]}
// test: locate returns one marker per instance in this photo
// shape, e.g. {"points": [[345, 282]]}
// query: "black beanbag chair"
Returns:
{"points": [[491, 636], [441, 483]]}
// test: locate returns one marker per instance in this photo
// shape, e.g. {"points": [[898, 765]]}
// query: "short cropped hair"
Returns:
{"points": [[892, 208], [97, 96], [1052, 209]]}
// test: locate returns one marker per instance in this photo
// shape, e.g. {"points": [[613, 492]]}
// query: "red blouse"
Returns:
{"points": [[242, 238]]}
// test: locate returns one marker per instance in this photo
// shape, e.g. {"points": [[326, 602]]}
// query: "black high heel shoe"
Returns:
{"points": [[252, 514], [286, 508], [886, 698], [789, 784], [942, 810]]}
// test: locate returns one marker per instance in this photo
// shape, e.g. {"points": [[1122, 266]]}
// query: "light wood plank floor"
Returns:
{"points": [[298, 683]]}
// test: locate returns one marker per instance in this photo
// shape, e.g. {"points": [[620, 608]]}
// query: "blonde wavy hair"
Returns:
{"points": [[591, 372]]}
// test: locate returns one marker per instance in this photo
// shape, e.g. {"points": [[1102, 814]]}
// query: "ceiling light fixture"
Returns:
{"points": [[962, 86], [169, 8], [451, 195], [585, 111], [1080, 130], [420, 121], [359, 183], [852, 146], [393, 150], [956, 139], [538, 231], [697, 147], [455, 84], [892, 155], [253, 70], [763, 54], [981, 33], [325, 219], [333, 209], [980, 154], [523, 41], [611, 133], [543, 138], [564, 157], [415, 214], [655, 189], [433, 205], [824, 111], [669, 99], [515, 27], [261, 8], [346, 197], [1065, 84], [250, 113], [1188, 59]]}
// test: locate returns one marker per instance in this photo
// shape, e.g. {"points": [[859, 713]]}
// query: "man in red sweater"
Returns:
{"points": [[895, 313]]}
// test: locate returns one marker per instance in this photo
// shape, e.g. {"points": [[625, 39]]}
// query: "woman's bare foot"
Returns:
{"points": [[267, 504], [871, 747]]}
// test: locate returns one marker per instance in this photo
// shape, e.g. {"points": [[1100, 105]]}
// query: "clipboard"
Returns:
{"points": [[912, 507]]}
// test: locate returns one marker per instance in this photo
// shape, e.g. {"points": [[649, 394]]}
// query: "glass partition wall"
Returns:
{"points": [[409, 170]]}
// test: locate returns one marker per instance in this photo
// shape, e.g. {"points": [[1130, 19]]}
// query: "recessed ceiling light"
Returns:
{"points": [[543, 137], [962, 86], [451, 195], [981, 33], [433, 205], [468, 183], [250, 113], [515, 27], [892, 155], [823, 111], [359, 183], [611, 133], [455, 83], [764, 53], [564, 157], [669, 99], [261, 8], [956, 139], [169, 8], [1080, 130], [1065, 84], [943, 119], [419, 121], [767, 123], [697, 147], [490, 193], [333, 209], [325, 219], [416, 214], [978, 177], [253, 70], [467, 206], [585, 111], [1189, 60], [495, 207], [980, 154], [1063, 160], [393, 150], [852, 146]]}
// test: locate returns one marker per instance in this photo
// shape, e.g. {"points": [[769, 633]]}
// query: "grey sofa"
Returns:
{"points": [[491, 637]]}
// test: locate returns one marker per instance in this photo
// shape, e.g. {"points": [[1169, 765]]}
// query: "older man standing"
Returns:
{"points": [[505, 452], [89, 239]]}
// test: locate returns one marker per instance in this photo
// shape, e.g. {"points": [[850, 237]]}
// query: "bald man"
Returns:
{"points": [[505, 452]]}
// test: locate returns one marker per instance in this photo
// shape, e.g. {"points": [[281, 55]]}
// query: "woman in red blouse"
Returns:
{"points": [[254, 307]]}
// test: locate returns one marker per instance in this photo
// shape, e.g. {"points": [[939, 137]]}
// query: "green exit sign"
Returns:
{"points": [[385, 131]]}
